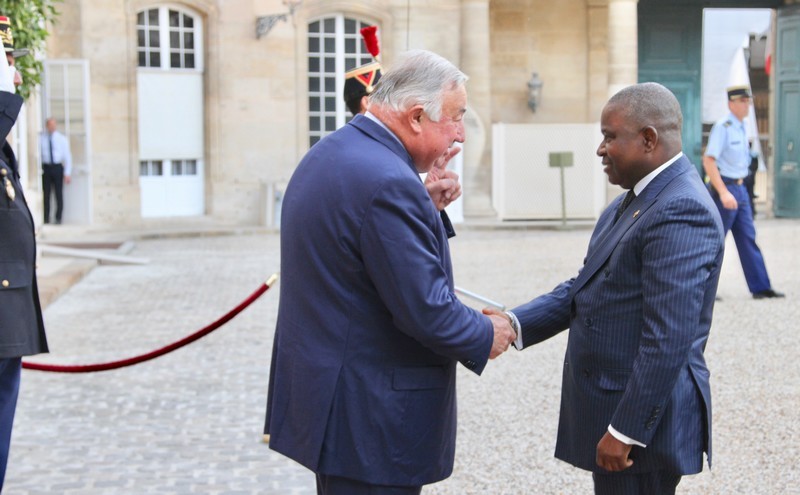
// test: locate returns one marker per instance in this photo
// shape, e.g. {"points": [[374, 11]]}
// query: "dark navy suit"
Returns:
{"points": [[21, 325], [639, 314], [362, 379]]}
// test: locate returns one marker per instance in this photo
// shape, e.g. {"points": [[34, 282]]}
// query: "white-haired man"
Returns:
{"points": [[362, 380]]}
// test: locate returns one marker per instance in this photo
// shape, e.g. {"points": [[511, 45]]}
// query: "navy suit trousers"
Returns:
{"points": [[651, 483], [336, 485]]}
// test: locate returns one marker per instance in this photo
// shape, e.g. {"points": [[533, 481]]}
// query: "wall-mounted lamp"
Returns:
{"points": [[265, 23], [534, 92]]}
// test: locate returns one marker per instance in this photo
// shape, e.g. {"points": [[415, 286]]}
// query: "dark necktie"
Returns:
{"points": [[52, 160], [625, 202]]}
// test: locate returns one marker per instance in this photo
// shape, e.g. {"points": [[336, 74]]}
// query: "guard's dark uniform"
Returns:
{"points": [[21, 324]]}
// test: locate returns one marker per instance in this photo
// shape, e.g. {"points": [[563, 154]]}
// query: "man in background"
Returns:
{"points": [[56, 167], [726, 163]]}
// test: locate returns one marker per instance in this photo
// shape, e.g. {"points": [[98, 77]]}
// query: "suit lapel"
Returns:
{"points": [[608, 241]]}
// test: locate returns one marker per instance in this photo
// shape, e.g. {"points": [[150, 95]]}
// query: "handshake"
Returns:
{"points": [[504, 331]]}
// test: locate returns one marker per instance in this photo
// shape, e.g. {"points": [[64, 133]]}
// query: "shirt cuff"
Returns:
{"points": [[624, 439], [515, 325]]}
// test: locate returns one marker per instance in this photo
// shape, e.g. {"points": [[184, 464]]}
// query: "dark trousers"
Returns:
{"points": [[53, 180], [740, 223], [335, 485], [9, 390], [653, 483]]}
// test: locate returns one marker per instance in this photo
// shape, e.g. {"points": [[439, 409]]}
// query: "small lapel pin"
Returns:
{"points": [[636, 213]]}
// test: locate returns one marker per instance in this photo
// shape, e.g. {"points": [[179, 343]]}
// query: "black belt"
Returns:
{"points": [[728, 181], [50, 164]]}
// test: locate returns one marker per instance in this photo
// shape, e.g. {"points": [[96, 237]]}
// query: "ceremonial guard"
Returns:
{"points": [[360, 82], [21, 324]]}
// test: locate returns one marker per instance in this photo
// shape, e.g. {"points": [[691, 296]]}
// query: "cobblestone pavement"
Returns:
{"points": [[190, 422]]}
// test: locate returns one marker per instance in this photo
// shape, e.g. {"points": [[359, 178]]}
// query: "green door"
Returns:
{"points": [[670, 52], [787, 106]]}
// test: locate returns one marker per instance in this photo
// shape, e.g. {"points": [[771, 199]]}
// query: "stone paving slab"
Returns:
{"points": [[190, 422]]}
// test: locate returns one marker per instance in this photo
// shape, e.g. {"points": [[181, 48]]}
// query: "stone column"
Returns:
{"points": [[475, 62], [598, 22], [623, 54]]}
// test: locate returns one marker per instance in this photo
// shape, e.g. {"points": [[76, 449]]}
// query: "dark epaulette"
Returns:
{"points": [[727, 123]]}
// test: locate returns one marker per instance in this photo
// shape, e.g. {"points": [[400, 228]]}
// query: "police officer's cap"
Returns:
{"points": [[737, 92]]}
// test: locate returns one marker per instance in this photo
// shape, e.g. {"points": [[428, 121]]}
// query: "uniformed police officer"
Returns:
{"points": [[21, 325], [726, 163]]}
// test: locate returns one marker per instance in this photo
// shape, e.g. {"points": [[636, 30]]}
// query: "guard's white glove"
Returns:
{"points": [[6, 75]]}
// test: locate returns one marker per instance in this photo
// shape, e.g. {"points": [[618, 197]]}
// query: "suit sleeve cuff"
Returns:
{"points": [[516, 326], [624, 439]]}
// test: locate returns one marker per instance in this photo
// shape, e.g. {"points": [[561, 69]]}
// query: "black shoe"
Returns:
{"points": [[768, 294], [58, 222]]}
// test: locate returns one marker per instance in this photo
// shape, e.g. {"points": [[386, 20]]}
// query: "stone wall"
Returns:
{"points": [[255, 89]]}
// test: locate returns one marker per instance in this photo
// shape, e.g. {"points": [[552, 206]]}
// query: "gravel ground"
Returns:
{"points": [[190, 422]]}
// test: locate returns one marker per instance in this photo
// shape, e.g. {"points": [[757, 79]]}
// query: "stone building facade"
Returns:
{"points": [[183, 102]]}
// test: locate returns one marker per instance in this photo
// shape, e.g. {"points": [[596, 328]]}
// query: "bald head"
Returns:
{"points": [[641, 127], [651, 104]]}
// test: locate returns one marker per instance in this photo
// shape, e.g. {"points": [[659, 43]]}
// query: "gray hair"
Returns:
{"points": [[650, 104], [418, 77]]}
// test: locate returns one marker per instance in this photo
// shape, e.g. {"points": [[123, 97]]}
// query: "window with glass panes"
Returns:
{"points": [[181, 40], [167, 39], [150, 168], [149, 38], [335, 46]]}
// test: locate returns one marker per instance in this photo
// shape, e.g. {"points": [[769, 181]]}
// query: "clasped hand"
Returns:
{"points": [[504, 333]]}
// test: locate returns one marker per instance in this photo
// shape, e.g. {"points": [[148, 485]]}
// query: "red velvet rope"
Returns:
{"points": [[89, 368]]}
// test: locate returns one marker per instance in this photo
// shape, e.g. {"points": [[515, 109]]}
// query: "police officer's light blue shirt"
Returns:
{"points": [[728, 145], [61, 152]]}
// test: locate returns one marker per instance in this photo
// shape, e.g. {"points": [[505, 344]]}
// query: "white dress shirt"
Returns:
{"points": [[61, 152]]}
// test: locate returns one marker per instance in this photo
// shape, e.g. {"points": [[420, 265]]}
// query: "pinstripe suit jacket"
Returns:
{"points": [[639, 314]]}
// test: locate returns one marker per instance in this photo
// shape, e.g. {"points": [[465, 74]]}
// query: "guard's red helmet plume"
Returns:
{"points": [[370, 34]]}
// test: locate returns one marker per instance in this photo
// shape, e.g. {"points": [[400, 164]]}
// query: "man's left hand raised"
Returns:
{"points": [[442, 184]]}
